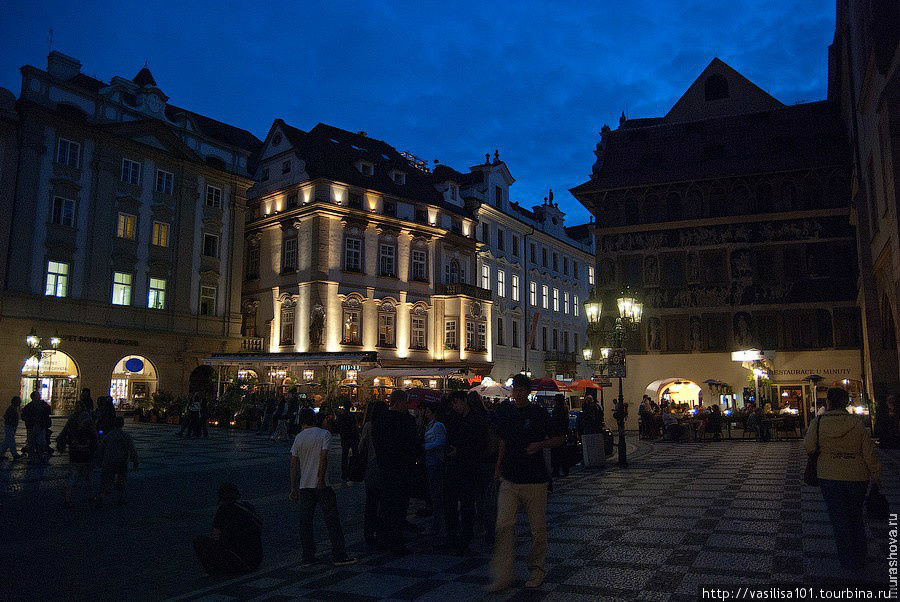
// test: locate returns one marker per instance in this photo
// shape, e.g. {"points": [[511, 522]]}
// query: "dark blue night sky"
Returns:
{"points": [[449, 80]]}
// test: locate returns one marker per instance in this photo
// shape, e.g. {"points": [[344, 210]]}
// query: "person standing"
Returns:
{"points": [[193, 416], [349, 432], [10, 424], [371, 479], [79, 435], [106, 415], [525, 431], [396, 447], [36, 416], [466, 443], [235, 544], [560, 417], [309, 487], [115, 450], [847, 464], [485, 484], [435, 446], [203, 417]]}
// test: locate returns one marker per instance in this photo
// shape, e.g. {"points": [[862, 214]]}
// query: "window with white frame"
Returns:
{"points": [[160, 234], [470, 335], [545, 296], [122, 288], [532, 293], [501, 283], [590, 274], [366, 169], [57, 279], [418, 328], [213, 196], [63, 212], [351, 322], [68, 152], [565, 302], [287, 324], [353, 254], [486, 276], [450, 340], [156, 293], [387, 259], [208, 300], [575, 305], [419, 259], [481, 342], [210, 245], [555, 299], [500, 331], [454, 192], [289, 252], [126, 226], [501, 239], [515, 287], [387, 319], [164, 181], [131, 172]]}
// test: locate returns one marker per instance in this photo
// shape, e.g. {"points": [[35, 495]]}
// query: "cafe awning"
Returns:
{"points": [[307, 360], [418, 372]]}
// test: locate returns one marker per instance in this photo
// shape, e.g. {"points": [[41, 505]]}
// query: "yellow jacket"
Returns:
{"points": [[846, 449]]}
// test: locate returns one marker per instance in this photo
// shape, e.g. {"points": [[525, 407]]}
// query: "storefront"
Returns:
{"points": [[385, 380], [134, 380], [55, 376]]}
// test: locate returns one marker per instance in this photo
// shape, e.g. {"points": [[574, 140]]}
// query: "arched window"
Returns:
{"points": [[351, 322], [287, 323], [452, 272], [715, 87], [418, 328], [387, 324]]}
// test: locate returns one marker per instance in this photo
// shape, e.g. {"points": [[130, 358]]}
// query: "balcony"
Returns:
{"points": [[461, 288], [252, 344]]}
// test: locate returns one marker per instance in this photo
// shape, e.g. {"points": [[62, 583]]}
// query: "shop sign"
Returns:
{"points": [[98, 340], [603, 381], [345, 367], [821, 371]]}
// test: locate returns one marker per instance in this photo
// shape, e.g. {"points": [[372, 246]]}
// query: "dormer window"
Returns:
{"points": [[398, 177], [454, 192], [265, 174], [365, 168], [286, 167]]}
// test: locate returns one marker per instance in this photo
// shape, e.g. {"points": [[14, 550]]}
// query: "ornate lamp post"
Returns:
{"points": [[612, 361], [36, 351]]}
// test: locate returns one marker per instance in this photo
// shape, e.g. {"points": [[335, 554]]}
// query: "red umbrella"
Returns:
{"points": [[581, 385], [548, 384], [418, 396]]}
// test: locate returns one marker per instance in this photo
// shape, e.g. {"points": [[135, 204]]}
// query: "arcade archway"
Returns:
{"points": [[56, 377], [679, 392], [134, 380]]}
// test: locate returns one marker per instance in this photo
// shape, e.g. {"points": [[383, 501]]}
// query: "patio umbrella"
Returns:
{"points": [[418, 396], [581, 385], [491, 389], [548, 384]]}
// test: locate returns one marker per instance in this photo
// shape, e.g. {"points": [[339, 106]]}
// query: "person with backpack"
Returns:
{"points": [[235, 544], [10, 424], [115, 450], [80, 437]]}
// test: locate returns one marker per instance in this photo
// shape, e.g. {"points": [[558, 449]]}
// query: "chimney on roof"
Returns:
{"points": [[61, 66], [361, 133], [487, 158]]}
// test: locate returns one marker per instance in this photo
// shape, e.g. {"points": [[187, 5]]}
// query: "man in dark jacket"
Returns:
{"points": [[349, 432], [36, 416], [80, 436], [10, 424], [467, 440], [396, 447], [235, 544]]}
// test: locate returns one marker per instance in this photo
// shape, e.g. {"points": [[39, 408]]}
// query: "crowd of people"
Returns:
{"points": [[677, 422]]}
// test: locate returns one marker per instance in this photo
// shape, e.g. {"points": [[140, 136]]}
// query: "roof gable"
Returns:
{"points": [[153, 133], [720, 91]]}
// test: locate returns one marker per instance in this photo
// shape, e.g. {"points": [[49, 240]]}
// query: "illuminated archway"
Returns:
{"points": [[134, 380], [56, 377], [675, 390]]}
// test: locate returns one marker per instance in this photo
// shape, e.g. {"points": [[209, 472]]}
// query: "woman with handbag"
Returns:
{"points": [[846, 463]]}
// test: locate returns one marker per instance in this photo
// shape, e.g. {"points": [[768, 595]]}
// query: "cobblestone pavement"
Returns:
{"points": [[680, 515]]}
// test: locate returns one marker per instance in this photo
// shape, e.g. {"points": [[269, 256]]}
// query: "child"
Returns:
{"points": [[11, 423], [116, 449]]}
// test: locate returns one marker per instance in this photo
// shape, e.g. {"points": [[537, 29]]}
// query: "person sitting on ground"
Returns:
{"points": [[10, 424], [116, 449], [235, 544]]}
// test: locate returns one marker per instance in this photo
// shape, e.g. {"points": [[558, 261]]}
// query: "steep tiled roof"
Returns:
{"points": [[443, 173], [580, 232], [787, 138]]}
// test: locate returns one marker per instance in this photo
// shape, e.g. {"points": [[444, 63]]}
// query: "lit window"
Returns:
{"points": [[63, 212], [287, 324], [556, 299], [164, 181], [208, 300], [590, 274], [121, 288], [126, 226], [470, 336], [545, 296], [515, 287], [450, 334], [501, 283], [482, 337], [131, 172], [419, 265], [210, 245], [68, 152], [57, 279], [160, 234], [213, 196], [156, 296], [352, 333], [386, 329], [386, 259], [353, 255], [575, 305], [289, 253], [565, 302], [486, 276], [417, 338], [533, 294]]}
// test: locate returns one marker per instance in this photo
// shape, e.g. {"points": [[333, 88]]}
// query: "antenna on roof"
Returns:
{"points": [[50, 40]]}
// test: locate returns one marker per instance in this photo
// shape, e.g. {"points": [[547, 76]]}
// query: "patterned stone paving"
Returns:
{"points": [[712, 513]]}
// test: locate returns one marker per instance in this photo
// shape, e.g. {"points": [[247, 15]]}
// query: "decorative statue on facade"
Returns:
{"points": [[742, 335], [651, 269], [316, 326], [598, 152], [653, 334], [693, 268], [695, 333]]}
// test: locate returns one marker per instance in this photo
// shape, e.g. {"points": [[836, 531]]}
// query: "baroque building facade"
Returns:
{"points": [[122, 243], [730, 219]]}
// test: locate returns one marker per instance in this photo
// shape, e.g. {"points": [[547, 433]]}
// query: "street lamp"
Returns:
{"points": [[37, 351]]}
